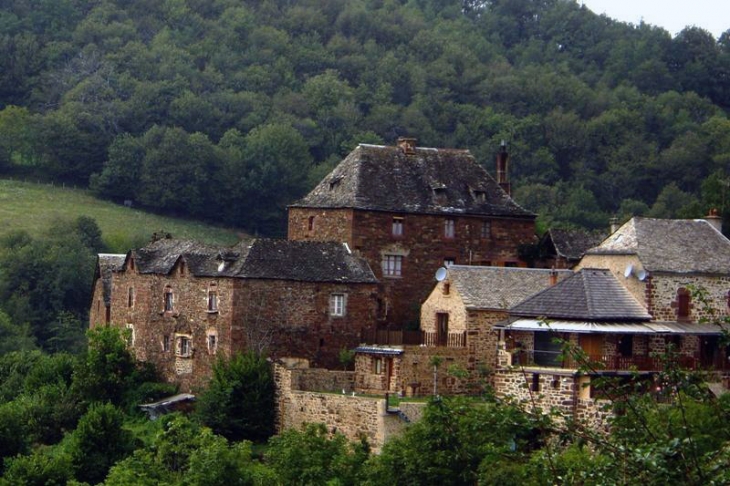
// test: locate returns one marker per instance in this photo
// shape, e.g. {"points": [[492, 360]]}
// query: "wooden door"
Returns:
{"points": [[442, 329], [592, 345]]}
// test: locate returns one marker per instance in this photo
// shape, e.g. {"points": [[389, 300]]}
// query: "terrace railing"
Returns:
{"points": [[413, 338]]}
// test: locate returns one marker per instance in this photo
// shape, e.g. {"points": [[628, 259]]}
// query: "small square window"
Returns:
{"points": [[449, 228], [397, 226], [486, 229], [337, 305], [378, 366], [393, 265]]}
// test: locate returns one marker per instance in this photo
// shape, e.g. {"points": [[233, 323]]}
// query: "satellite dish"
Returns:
{"points": [[629, 270], [441, 274], [641, 274]]}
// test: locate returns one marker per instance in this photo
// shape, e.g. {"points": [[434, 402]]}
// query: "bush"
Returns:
{"points": [[239, 402]]}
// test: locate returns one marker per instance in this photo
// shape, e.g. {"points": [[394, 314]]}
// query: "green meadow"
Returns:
{"points": [[34, 206]]}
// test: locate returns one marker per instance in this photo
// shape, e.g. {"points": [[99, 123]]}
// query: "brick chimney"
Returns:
{"points": [[713, 217], [502, 168], [407, 145]]}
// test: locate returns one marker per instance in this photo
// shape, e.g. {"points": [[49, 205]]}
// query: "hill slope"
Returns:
{"points": [[32, 207]]}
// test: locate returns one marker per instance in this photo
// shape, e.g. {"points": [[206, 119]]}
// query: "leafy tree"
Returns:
{"points": [[98, 442], [312, 457], [39, 468], [14, 337], [239, 401]]}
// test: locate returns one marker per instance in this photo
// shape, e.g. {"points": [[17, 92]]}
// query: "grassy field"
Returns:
{"points": [[32, 207]]}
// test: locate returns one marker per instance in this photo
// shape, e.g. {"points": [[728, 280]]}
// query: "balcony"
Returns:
{"points": [[413, 338], [553, 359]]}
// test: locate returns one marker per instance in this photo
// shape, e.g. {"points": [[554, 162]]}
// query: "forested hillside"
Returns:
{"points": [[229, 110]]}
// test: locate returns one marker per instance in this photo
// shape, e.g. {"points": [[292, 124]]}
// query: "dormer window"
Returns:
{"points": [[480, 195], [335, 182]]}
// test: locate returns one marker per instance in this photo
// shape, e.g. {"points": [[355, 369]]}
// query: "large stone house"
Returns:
{"points": [[457, 321], [185, 303], [409, 210]]}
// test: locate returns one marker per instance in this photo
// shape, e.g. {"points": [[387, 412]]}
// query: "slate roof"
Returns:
{"points": [[571, 244], [670, 245], [499, 287], [429, 181], [259, 258], [590, 294], [106, 264]]}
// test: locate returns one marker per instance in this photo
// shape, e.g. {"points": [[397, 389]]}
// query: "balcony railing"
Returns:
{"points": [[414, 338], [555, 359]]}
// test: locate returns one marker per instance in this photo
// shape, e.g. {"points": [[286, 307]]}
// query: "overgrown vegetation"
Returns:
{"points": [[230, 110]]}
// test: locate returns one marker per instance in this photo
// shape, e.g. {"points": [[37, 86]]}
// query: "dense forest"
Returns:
{"points": [[228, 111]]}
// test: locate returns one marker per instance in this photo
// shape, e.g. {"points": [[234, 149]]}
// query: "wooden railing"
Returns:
{"points": [[413, 338]]}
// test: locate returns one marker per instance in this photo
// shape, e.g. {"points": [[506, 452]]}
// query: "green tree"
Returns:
{"points": [[239, 401], [98, 442], [312, 457]]}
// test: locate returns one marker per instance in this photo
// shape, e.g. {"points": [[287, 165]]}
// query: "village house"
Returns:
{"points": [[408, 210], [563, 248], [457, 321], [185, 303], [630, 302]]}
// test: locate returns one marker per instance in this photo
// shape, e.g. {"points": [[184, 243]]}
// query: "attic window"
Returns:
{"points": [[480, 195], [449, 228], [182, 269], [397, 226], [334, 182]]}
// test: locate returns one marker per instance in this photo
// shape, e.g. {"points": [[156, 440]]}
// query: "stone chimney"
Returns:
{"points": [[407, 145], [502, 168], [614, 224], [713, 217], [553, 276]]}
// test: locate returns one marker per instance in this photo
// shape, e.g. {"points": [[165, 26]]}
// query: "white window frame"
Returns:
{"points": [[392, 265], [338, 304], [130, 340]]}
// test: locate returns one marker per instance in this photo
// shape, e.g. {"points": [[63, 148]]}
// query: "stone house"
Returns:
{"points": [[457, 321], [635, 307], [409, 210], [185, 303], [561, 248]]}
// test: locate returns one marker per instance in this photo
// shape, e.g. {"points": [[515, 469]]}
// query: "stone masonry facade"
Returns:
{"points": [[282, 318], [421, 247]]}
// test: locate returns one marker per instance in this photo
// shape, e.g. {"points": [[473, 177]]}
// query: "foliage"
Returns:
{"points": [[110, 94], [239, 401], [311, 457], [458, 442], [346, 357], [98, 442]]}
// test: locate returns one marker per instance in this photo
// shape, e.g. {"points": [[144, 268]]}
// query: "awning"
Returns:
{"points": [[379, 350], [613, 327]]}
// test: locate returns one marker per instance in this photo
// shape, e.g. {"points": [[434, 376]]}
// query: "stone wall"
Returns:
{"points": [[449, 303], [663, 295], [326, 225], [353, 416]]}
